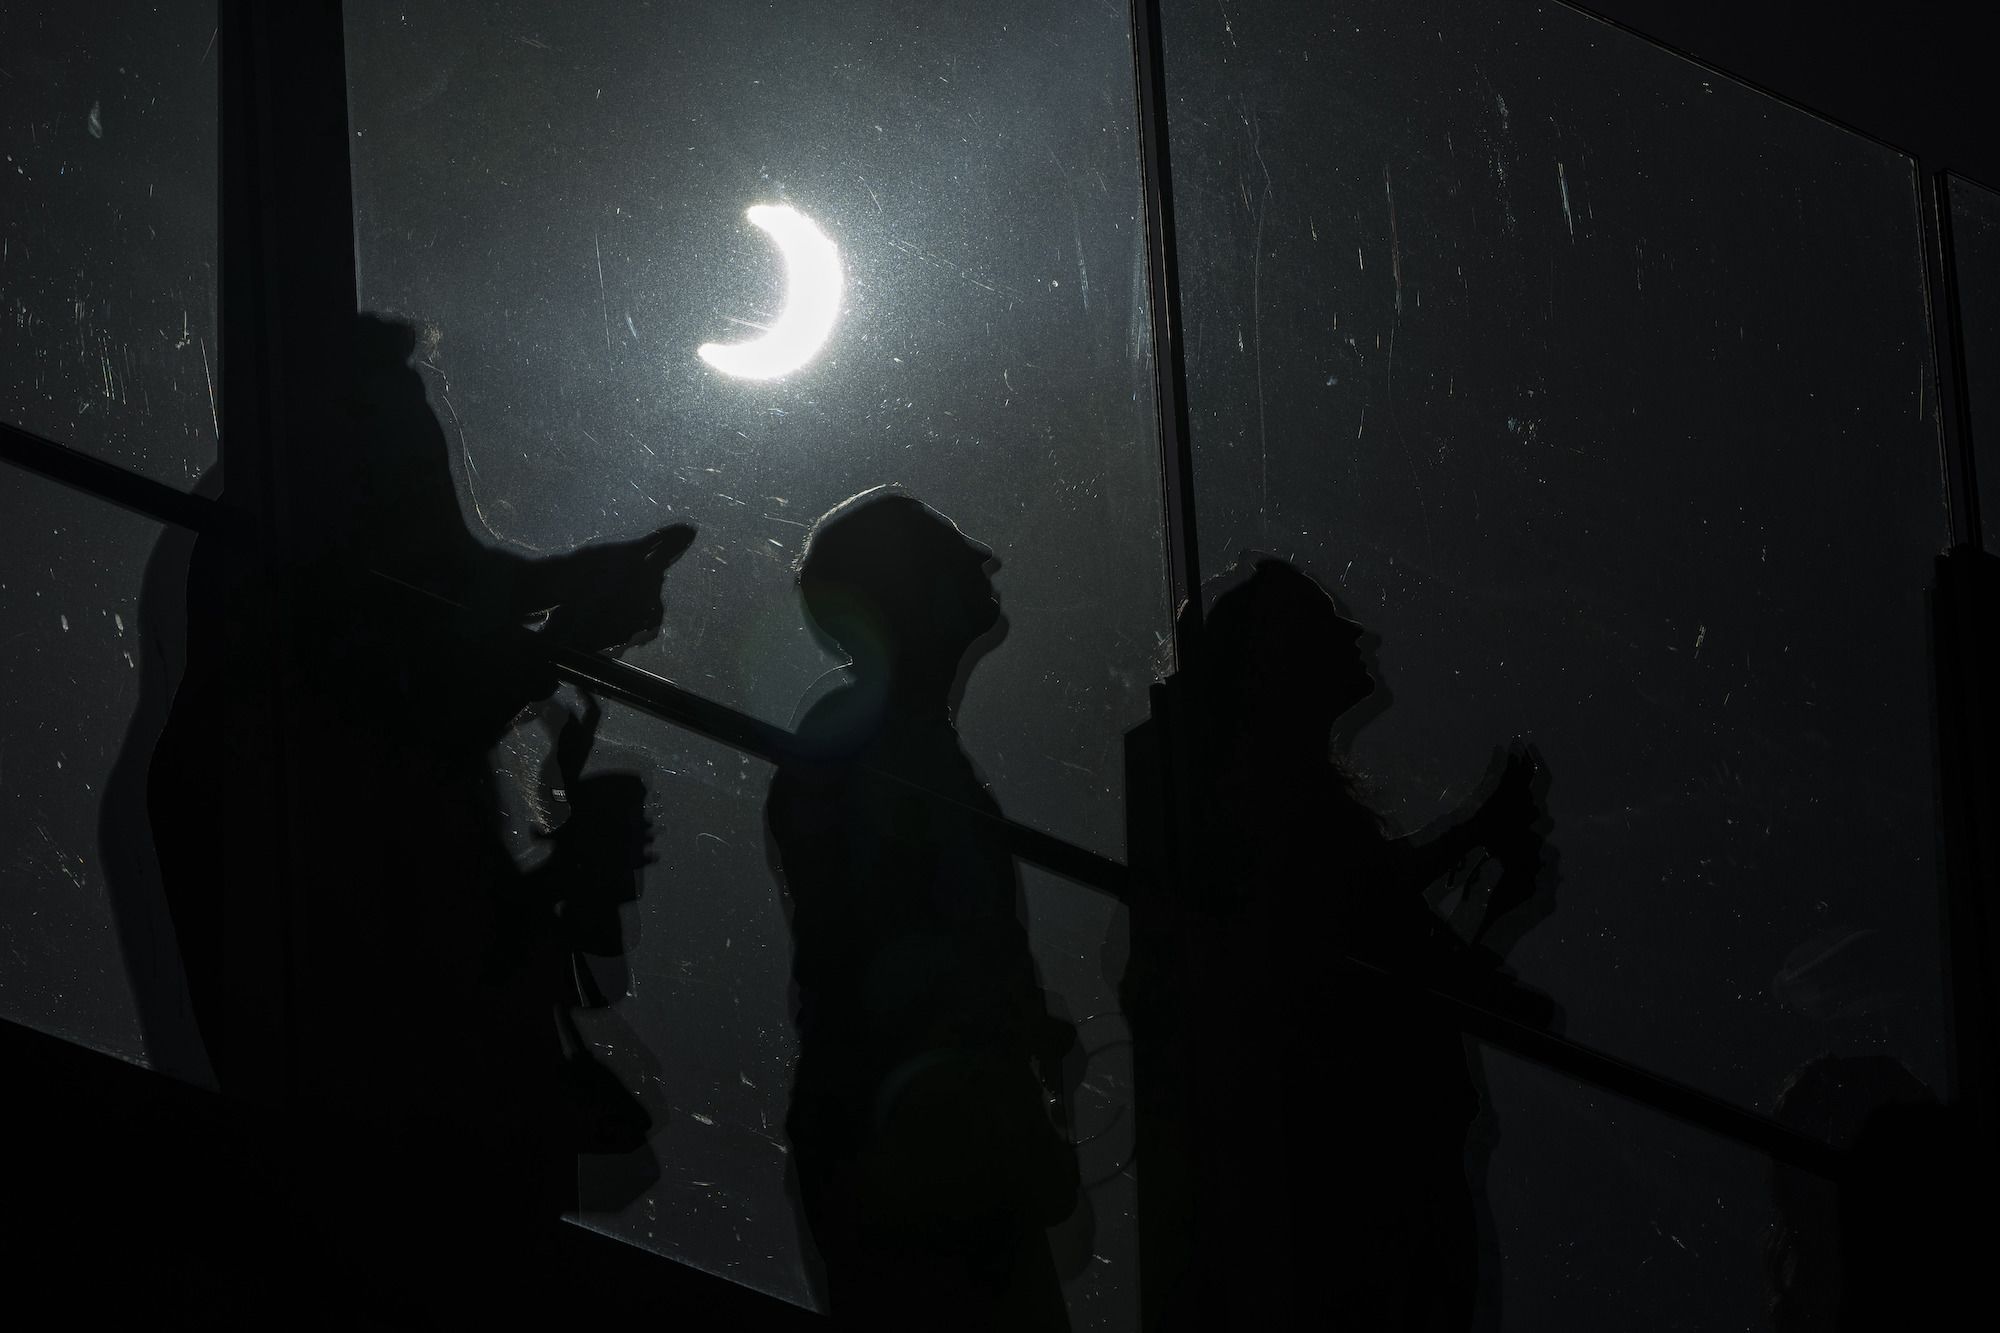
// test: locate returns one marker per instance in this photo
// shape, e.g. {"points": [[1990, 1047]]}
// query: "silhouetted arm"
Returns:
{"points": [[1432, 852], [1501, 820], [604, 595]]}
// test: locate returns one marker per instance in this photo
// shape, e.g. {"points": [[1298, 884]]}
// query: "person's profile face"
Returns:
{"points": [[1313, 661], [1353, 680], [977, 565], [960, 578]]}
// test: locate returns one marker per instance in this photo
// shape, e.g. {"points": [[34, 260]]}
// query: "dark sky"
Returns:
{"points": [[1911, 73]]}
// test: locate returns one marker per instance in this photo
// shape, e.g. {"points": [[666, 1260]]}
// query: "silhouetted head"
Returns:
{"points": [[384, 340], [897, 585], [386, 379], [1279, 657], [386, 494]]}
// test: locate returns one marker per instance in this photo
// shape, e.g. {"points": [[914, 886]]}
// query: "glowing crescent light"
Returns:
{"points": [[812, 300]]}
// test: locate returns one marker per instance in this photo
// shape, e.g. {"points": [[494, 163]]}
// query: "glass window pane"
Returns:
{"points": [[107, 245], [558, 199], [1595, 1213], [949, 295], [94, 649], [1975, 236], [1594, 384]]}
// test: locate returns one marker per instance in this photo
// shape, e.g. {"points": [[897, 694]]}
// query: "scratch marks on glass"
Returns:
{"points": [[1389, 361], [1257, 322], [603, 306], [214, 420], [1395, 240], [58, 855], [1076, 230], [1562, 183], [432, 337], [964, 274], [1082, 268]]}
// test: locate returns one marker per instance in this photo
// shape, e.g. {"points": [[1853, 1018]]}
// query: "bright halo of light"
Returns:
{"points": [[813, 286]]}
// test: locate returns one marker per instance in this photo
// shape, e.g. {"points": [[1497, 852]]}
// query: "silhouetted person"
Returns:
{"points": [[152, 953], [430, 1136], [595, 867], [926, 1164], [1362, 1098]]}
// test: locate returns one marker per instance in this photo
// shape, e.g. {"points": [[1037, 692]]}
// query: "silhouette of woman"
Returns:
{"points": [[1374, 1097], [424, 962], [926, 1166]]}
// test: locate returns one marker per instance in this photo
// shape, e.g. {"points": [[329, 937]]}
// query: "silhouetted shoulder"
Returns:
{"points": [[839, 726]]}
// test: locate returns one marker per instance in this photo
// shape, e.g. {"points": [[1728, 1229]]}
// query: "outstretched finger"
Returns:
{"points": [[669, 544]]}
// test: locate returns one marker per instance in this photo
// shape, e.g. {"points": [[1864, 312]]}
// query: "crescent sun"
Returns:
{"points": [[813, 285]]}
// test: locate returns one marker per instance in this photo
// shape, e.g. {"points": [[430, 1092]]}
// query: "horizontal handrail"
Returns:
{"points": [[119, 486], [664, 699]]}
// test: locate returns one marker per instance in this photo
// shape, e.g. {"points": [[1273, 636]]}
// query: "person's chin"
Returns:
{"points": [[995, 628]]}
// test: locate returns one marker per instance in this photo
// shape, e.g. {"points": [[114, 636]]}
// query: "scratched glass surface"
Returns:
{"points": [[1975, 239], [84, 947], [560, 195], [613, 223], [1597, 385], [107, 239]]}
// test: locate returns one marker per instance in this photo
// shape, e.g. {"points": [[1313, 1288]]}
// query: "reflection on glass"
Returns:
{"points": [[812, 300]]}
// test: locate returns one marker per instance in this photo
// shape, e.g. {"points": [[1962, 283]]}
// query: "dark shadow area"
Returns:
{"points": [[926, 1166], [436, 1093], [129, 1205], [1905, 1238], [1328, 1111], [600, 843], [147, 939]]}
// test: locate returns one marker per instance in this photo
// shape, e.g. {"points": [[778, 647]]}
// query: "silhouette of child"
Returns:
{"points": [[926, 1164]]}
